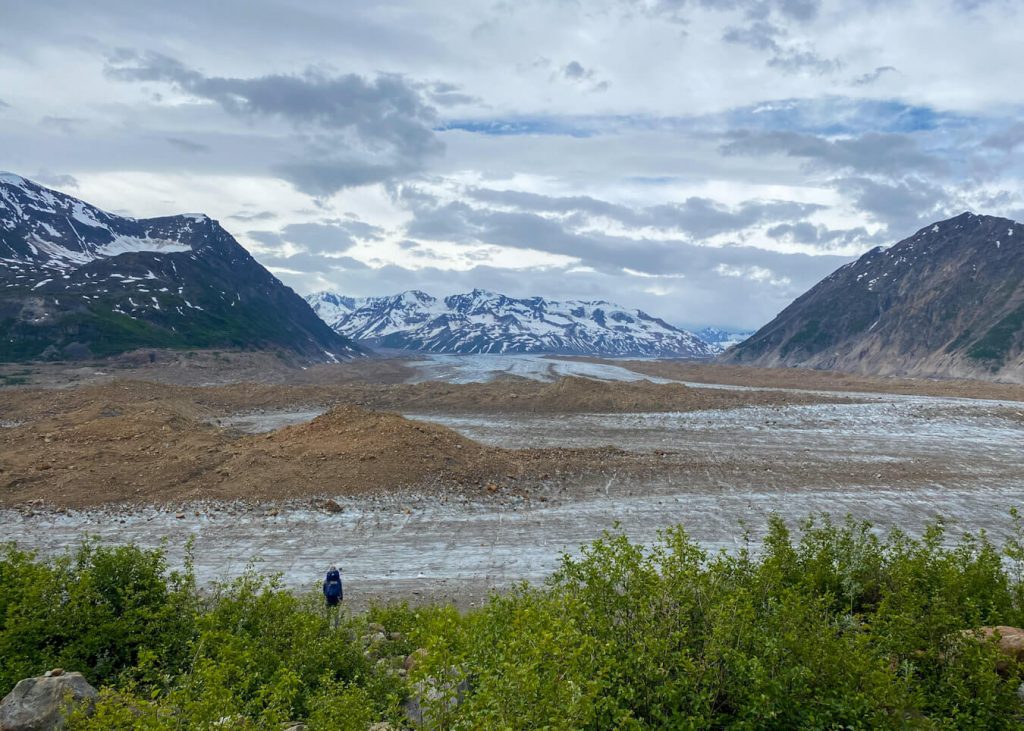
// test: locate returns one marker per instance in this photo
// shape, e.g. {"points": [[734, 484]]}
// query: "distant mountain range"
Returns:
{"points": [[721, 340], [486, 322], [76, 281], [948, 301]]}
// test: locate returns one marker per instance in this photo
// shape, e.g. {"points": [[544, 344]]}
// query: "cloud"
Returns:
{"points": [[330, 237], [574, 71], [1007, 139], [753, 273], [64, 125], [4, 105], [799, 10], [871, 152], [254, 216], [188, 145], [358, 130], [820, 236], [762, 35], [873, 76], [696, 216], [903, 205], [57, 180]]}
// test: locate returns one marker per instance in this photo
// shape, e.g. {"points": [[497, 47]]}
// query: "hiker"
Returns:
{"points": [[332, 587]]}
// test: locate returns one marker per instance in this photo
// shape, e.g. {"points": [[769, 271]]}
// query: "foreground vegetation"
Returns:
{"points": [[832, 627]]}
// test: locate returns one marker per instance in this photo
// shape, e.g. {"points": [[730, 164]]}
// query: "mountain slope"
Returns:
{"points": [[485, 322], [948, 301], [76, 281]]}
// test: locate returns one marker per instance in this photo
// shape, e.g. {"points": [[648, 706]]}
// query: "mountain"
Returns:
{"points": [[721, 340], [485, 322], [948, 302], [76, 281]]}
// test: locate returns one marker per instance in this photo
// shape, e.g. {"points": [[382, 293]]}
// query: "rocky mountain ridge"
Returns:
{"points": [[487, 322], [945, 302], [76, 281]]}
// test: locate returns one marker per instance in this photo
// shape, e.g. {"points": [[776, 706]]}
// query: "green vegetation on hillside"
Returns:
{"points": [[832, 627]]}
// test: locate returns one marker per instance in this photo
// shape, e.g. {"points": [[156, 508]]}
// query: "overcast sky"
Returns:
{"points": [[704, 160]]}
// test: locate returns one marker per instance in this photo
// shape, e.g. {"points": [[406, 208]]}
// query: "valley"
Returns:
{"points": [[496, 466]]}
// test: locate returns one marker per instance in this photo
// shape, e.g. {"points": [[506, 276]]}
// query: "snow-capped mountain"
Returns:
{"points": [[486, 322], [77, 281], [721, 340]]}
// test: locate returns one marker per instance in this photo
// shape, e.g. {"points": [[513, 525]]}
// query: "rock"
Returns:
{"points": [[433, 699], [1010, 642], [42, 704], [375, 627], [414, 659], [331, 506], [293, 726], [394, 636], [382, 726]]}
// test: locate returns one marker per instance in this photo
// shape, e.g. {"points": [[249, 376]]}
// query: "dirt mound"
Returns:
{"points": [[167, 453], [350, 450]]}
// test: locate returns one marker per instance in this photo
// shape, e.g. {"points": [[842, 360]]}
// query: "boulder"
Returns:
{"points": [[434, 699], [417, 657], [1010, 641], [42, 704]]}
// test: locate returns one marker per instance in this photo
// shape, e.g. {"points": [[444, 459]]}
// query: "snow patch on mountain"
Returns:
{"points": [[487, 322]]}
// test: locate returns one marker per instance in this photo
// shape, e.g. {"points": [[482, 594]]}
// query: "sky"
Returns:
{"points": [[706, 161]]}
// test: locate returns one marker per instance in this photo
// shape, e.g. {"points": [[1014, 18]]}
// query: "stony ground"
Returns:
{"points": [[493, 469]]}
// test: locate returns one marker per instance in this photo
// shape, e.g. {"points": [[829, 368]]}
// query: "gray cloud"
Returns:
{"points": [[873, 152], [357, 130], [188, 145], [57, 180], [821, 236], [574, 71], [698, 217], [253, 216], [873, 76], [64, 125], [763, 35], [903, 205], [445, 94], [328, 237], [792, 62], [798, 10], [4, 105], [1007, 139]]}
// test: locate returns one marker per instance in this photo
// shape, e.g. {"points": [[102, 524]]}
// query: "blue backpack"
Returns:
{"points": [[332, 585]]}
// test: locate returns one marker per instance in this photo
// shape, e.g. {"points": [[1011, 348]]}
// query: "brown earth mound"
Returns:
{"points": [[166, 452], [350, 450]]}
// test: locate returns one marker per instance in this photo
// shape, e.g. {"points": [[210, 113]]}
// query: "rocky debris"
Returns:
{"points": [[293, 726], [43, 703], [382, 726]]}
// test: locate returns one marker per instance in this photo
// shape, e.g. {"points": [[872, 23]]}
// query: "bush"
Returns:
{"points": [[834, 628]]}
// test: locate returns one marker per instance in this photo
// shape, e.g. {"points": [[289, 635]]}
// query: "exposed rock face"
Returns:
{"points": [[42, 704], [948, 302], [76, 281]]}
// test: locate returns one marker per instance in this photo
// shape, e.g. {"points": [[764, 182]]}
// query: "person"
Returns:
{"points": [[333, 592]]}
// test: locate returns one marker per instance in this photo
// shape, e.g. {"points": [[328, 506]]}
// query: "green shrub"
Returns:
{"points": [[834, 627]]}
